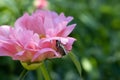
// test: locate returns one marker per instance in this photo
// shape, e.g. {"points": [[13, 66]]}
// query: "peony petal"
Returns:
{"points": [[42, 52], [70, 42], [23, 21], [32, 43], [21, 36], [48, 24], [8, 48], [19, 53], [63, 18], [4, 52], [69, 19], [59, 27], [5, 30], [38, 25], [67, 31]]}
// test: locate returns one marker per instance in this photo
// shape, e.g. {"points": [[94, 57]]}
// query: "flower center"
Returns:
{"points": [[42, 36]]}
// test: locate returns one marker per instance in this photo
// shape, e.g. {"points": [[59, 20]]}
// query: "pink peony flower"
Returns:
{"points": [[40, 4], [35, 38]]}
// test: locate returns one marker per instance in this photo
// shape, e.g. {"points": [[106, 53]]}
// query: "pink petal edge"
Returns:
{"points": [[42, 51]]}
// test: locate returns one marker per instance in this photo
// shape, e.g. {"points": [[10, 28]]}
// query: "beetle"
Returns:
{"points": [[60, 48]]}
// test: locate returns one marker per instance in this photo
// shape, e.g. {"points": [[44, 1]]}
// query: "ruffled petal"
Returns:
{"points": [[48, 24], [4, 30], [24, 21], [3, 52], [33, 23], [7, 49], [67, 30], [70, 43], [44, 54]]}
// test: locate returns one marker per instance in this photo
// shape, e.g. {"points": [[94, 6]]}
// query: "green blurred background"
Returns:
{"points": [[98, 40]]}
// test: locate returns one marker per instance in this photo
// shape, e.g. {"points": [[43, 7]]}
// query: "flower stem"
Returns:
{"points": [[76, 62], [45, 72], [39, 74], [23, 74]]}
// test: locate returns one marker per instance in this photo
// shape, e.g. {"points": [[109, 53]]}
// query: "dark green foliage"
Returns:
{"points": [[97, 33]]}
